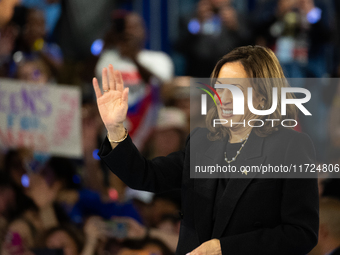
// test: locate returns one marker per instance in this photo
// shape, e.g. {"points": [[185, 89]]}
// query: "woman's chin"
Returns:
{"points": [[230, 118]]}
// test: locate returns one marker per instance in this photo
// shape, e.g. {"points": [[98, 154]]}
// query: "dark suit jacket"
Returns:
{"points": [[336, 252], [256, 216]]}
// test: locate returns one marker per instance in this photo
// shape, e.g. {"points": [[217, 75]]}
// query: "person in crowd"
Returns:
{"points": [[157, 210], [34, 71], [336, 57], [31, 43], [329, 230], [8, 36], [214, 30], [92, 129], [35, 201], [51, 9], [331, 96], [7, 11], [167, 203], [332, 183], [177, 94], [216, 218], [29, 227], [16, 162], [66, 238], [7, 204], [97, 233], [299, 32], [143, 70], [169, 133], [80, 202], [144, 247], [334, 119], [136, 231], [170, 223], [75, 242]]}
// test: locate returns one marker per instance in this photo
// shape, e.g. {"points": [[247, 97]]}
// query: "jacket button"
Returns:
{"points": [[258, 224], [180, 215]]}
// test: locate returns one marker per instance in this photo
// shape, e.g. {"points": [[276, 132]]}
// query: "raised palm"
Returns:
{"points": [[113, 102]]}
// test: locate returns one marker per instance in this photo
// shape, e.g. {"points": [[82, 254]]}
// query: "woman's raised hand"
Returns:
{"points": [[113, 102]]}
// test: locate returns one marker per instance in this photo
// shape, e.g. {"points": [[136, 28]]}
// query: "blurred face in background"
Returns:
{"points": [[204, 10], [147, 250], [159, 208], [7, 198], [17, 170], [229, 17], [34, 71], [284, 6], [217, 4], [130, 37], [17, 165], [61, 240], [305, 5], [169, 226], [34, 28], [127, 251], [166, 141], [134, 29], [7, 10], [153, 249]]}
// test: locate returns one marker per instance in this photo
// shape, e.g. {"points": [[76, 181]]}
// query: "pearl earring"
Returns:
{"points": [[262, 106]]}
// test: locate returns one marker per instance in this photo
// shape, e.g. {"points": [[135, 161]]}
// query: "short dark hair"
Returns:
{"points": [[137, 244], [71, 231], [63, 170]]}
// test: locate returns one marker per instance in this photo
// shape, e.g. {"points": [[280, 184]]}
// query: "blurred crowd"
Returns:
{"points": [[59, 205]]}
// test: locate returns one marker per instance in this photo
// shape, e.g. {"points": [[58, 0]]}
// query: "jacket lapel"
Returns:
{"points": [[205, 189], [251, 155]]}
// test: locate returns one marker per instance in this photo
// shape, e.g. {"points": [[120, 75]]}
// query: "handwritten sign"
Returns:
{"points": [[43, 118]]}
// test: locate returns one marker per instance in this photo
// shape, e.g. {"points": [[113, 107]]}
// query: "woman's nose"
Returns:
{"points": [[226, 96]]}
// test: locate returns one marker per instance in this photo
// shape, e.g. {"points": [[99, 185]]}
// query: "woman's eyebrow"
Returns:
{"points": [[235, 84]]}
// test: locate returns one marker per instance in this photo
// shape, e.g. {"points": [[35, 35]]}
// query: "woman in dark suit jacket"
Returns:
{"points": [[226, 215]]}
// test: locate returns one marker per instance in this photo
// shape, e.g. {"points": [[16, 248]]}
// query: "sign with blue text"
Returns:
{"points": [[45, 119]]}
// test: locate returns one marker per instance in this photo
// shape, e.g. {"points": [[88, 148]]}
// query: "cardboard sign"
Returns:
{"points": [[43, 118]]}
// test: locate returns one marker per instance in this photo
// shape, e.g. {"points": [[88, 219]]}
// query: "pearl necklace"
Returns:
{"points": [[238, 152]]}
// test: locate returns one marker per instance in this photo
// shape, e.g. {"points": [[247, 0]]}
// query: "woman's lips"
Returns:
{"points": [[226, 113]]}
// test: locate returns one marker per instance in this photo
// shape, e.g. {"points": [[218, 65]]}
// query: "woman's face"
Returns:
{"points": [[225, 111], [61, 240], [166, 141], [7, 198], [32, 72], [134, 28]]}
